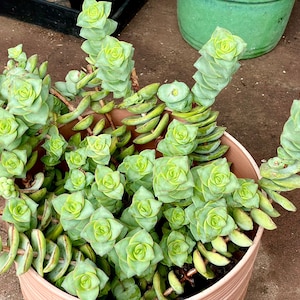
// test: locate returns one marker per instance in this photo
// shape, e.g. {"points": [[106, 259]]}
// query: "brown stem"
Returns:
{"points": [[186, 276], [135, 80], [62, 99], [69, 105]]}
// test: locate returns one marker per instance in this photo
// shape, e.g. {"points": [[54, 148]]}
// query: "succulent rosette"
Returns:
{"points": [[78, 180], [135, 254], [27, 95], [176, 217], [55, 146], [125, 289], [114, 60], [22, 212], [144, 209], [138, 170], [109, 182], [95, 26], [172, 179], [115, 66], [13, 163], [74, 211], [224, 45], [180, 139], [98, 199], [94, 14], [69, 88], [281, 168], [244, 196], [176, 248], [98, 148], [140, 215], [17, 54], [102, 231], [137, 166], [216, 65], [76, 158], [210, 221], [11, 130], [280, 173], [86, 280], [213, 181], [176, 95]]}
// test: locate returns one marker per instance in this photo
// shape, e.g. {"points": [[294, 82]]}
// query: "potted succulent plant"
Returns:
{"points": [[113, 191], [259, 23]]}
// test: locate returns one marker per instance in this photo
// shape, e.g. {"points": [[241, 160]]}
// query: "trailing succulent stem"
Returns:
{"points": [[128, 208]]}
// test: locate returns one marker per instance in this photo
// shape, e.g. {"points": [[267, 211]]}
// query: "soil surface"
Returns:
{"points": [[253, 107]]}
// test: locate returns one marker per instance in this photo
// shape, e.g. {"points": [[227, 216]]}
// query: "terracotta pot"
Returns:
{"points": [[233, 286]]}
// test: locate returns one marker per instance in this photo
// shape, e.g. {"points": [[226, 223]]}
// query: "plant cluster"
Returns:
{"points": [[127, 208]]}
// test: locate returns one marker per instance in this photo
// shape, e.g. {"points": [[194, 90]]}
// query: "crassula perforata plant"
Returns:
{"points": [[122, 208]]}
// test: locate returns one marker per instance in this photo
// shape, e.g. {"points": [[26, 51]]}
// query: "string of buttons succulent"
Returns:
{"points": [[134, 208]]}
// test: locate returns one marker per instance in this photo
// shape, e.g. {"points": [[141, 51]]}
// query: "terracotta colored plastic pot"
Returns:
{"points": [[260, 23], [233, 286]]}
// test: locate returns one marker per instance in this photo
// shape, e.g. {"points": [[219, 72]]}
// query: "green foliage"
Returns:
{"points": [[210, 221], [126, 288], [85, 281], [7, 188], [13, 163], [176, 248], [124, 207], [144, 209], [102, 231], [109, 182], [213, 181], [11, 130], [74, 211], [54, 146], [246, 195], [98, 148], [172, 179], [112, 57], [180, 139], [176, 217], [136, 254], [21, 212], [138, 170], [176, 95], [218, 62]]}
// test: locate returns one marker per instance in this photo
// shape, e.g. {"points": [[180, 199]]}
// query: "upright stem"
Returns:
{"points": [[69, 105]]}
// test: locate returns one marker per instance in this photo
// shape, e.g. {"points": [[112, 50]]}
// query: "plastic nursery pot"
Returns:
{"points": [[231, 286], [260, 23]]}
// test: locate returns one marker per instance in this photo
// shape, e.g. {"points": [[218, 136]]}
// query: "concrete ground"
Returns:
{"points": [[253, 107]]}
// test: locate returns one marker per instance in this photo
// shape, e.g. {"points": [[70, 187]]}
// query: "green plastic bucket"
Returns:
{"points": [[260, 23]]}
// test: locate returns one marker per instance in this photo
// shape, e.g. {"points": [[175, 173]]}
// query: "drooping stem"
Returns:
{"points": [[35, 254]]}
